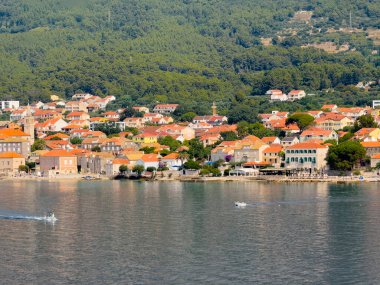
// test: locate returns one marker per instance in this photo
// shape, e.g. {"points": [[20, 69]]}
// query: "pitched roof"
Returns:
{"points": [[306, 145], [268, 139], [173, 155], [120, 161], [10, 154], [58, 153], [149, 157], [316, 132], [273, 148], [370, 144], [4, 133], [376, 156]]}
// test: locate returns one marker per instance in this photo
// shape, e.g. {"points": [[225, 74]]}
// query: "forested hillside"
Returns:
{"points": [[188, 52]]}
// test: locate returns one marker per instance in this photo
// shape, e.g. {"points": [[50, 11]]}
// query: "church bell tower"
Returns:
{"points": [[29, 124]]}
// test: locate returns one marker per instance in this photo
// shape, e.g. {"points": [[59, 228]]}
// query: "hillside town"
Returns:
{"points": [[85, 137]]}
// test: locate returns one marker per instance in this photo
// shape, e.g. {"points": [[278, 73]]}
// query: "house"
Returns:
{"points": [[315, 113], [59, 144], [46, 114], [172, 161], [51, 125], [134, 122], [368, 134], [174, 129], [113, 166], [329, 107], [289, 140], [275, 115], [78, 115], [9, 105], [272, 154], [296, 95], [353, 112], [306, 155], [95, 163], [333, 121], [112, 115], [10, 162], [214, 120], [375, 160], [145, 138], [18, 114], [371, 147], [12, 140], [132, 156], [76, 106], [250, 150], [318, 134], [81, 96], [148, 160], [165, 108], [58, 162], [271, 140], [141, 109], [277, 95], [60, 136], [210, 139]]}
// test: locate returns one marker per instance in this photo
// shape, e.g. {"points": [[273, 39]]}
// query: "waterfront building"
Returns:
{"points": [[58, 162], [10, 162], [306, 155]]}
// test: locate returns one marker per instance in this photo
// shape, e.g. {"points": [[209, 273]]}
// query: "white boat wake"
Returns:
{"points": [[30, 218]]}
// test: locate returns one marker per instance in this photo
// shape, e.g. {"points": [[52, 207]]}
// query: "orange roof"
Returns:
{"points": [[59, 135], [330, 116], [72, 126], [268, 139], [376, 156], [306, 145], [273, 148], [329, 106], [173, 155], [10, 154], [364, 131], [58, 153], [76, 114], [149, 158], [316, 132], [120, 161], [4, 133], [370, 144]]}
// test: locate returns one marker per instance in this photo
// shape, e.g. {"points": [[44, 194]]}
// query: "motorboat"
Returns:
{"points": [[240, 204], [50, 217]]}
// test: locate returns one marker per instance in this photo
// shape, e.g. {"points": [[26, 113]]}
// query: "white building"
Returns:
{"points": [[306, 155], [9, 104], [277, 95], [296, 95]]}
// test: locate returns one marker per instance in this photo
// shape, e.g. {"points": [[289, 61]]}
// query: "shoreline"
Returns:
{"points": [[333, 179]]}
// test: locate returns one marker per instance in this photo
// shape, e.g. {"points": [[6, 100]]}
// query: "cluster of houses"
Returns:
{"points": [[277, 95], [74, 144]]}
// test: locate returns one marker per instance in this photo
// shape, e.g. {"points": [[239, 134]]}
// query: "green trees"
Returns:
{"points": [[191, 164], [76, 140], [38, 145], [301, 120], [123, 168], [170, 142], [346, 155], [138, 169], [364, 121]]}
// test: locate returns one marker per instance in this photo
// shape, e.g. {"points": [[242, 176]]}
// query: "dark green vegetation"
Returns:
{"points": [[346, 155], [187, 52]]}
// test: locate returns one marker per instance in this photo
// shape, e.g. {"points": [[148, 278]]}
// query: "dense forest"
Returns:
{"points": [[190, 52]]}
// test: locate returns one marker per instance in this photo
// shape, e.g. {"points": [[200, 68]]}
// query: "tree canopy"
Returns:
{"points": [[346, 155]]}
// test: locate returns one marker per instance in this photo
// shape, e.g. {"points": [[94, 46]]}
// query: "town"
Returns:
{"points": [[86, 137]]}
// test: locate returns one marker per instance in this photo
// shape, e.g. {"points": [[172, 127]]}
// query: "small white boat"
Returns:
{"points": [[240, 204], [50, 217]]}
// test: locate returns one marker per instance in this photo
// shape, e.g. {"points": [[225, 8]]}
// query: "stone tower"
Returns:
{"points": [[214, 113], [29, 124]]}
